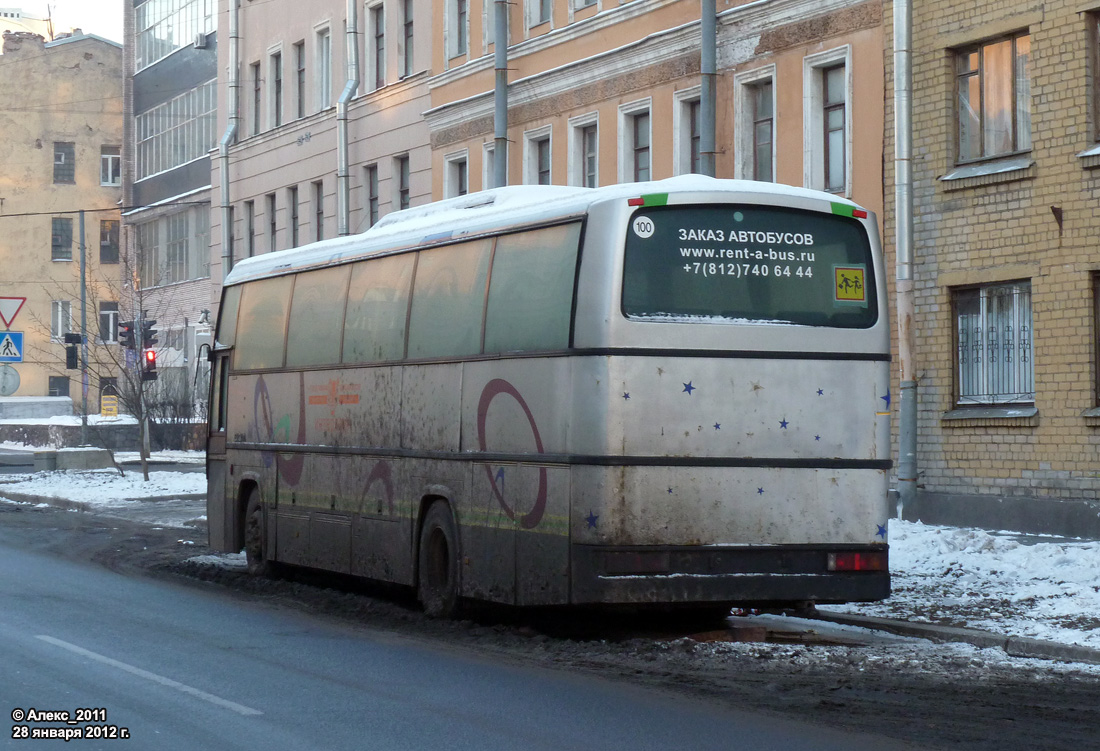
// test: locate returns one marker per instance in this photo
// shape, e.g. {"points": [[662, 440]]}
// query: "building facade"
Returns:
{"points": [[171, 129], [1006, 269], [61, 143], [313, 156]]}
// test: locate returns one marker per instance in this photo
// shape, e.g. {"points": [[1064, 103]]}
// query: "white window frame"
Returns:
{"points": [[488, 164], [986, 361], [398, 160], [531, 140], [406, 42], [577, 126], [681, 128], [322, 58], [111, 166], [275, 118], [627, 113], [61, 319], [533, 13], [744, 152], [452, 173], [451, 24], [813, 121], [372, 47]]}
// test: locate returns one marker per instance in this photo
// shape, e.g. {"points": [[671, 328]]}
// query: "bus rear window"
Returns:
{"points": [[748, 263]]}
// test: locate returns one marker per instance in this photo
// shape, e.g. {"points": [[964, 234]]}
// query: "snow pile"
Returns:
{"points": [[1039, 587], [104, 487]]}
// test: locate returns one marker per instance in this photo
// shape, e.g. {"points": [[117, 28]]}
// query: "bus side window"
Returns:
{"points": [[314, 331], [261, 326], [531, 290], [221, 394], [449, 300], [378, 306]]}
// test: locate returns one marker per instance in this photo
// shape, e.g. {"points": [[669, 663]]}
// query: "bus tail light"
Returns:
{"points": [[853, 560]]}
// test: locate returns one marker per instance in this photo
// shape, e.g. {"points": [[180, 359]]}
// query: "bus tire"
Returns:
{"points": [[438, 563], [255, 536]]}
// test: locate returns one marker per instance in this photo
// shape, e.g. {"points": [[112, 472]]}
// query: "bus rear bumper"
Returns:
{"points": [[735, 575]]}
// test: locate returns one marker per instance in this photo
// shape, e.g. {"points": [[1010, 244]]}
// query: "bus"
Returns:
{"points": [[672, 393]]}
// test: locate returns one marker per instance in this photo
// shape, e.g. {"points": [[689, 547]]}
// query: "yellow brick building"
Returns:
{"points": [[1006, 167], [60, 144]]}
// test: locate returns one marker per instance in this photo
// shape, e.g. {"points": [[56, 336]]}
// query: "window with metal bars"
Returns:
{"points": [[995, 352]]}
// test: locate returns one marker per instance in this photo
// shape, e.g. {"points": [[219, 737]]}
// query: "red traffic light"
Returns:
{"points": [[150, 358]]}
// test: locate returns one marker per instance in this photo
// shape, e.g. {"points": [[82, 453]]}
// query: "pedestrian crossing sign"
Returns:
{"points": [[11, 346]]}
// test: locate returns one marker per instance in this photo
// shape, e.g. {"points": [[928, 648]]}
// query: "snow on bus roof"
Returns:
{"points": [[488, 210]]}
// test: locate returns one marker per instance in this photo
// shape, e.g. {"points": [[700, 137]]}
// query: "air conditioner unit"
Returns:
{"points": [[200, 41]]}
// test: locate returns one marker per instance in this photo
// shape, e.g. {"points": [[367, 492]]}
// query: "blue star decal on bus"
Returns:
{"points": [[783, 423], [817, 438], [717, 426], [592, 519], [689, 388], [670, 491], [821, 392], [886, 398], [760, 491], [626, 395], [881, 531]]}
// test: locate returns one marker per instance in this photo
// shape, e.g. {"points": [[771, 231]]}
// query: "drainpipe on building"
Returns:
{"points": [[500, 95], [708, 28], [903, 214], [343, 179], [230, 136]]}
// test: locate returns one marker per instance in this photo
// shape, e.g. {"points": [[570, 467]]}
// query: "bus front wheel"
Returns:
{"points": [[255, 536], [438, 572]]}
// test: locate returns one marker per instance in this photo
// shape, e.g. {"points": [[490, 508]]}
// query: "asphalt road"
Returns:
{"points": [[180, 667]]}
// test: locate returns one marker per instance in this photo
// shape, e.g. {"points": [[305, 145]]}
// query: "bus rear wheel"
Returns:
{"points": [[255, 536], [438, 571]]}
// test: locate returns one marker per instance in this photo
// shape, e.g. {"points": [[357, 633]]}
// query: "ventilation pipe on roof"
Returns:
{"points": [[230, 136], [903, 216], [500, 95], [708, 28], [343, 177]]}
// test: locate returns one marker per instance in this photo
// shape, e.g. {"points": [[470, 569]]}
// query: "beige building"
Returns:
{"points": [[1006, 266], [286, 178], [62, 133]]}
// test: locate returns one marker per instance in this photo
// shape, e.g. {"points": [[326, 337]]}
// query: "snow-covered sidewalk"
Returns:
{"points": [[1042, 588]]}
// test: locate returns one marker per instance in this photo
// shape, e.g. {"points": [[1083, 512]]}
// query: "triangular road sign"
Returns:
{"points": [[9, 309]]}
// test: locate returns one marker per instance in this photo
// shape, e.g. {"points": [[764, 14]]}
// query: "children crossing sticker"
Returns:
{"points": [[850, 287]]}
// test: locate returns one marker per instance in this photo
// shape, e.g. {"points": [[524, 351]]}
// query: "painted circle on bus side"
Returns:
{"points": [[492, 390], [381, 473], [265, 425]]}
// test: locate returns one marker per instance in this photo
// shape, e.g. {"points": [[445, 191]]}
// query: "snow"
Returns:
{"points": [[1018, 585], [1015, 585]]}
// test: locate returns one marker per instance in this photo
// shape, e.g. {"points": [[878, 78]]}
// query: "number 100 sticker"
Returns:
{"points": [[643, 227]]}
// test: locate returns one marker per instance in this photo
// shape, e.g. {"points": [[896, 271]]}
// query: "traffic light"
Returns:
{"points": [[149, 365], [126, 335], [148, 334]]}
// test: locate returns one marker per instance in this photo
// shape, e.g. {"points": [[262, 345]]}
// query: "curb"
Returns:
{"points": [[1013, 646]]}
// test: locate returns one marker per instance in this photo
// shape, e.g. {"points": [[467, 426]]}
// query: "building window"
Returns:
{"points": [[687, 133], [488, 165], [292, 207], [64, 162], [108, 241], [61, 319], [61, 242], [372, 194], [827, 121], [994, 338], [164, 26], [456, 177], [277, 89], [319, 210], [110, 165], [994, 98], [324, 69], [634, 142], [754, 124], [178, 131], [59, 385], [584, 147], [300, 80], [108, 322], [407, 48], [257, 82], [177, 248], [271, 226], [250, 228], [458, 11], [148, 250], [401, 172], [763, 132], [834, 122], [378, 46], [539, 11], [537, 156]]}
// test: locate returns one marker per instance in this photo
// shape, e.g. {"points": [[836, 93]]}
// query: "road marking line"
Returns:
{"points": [[238, 708]]}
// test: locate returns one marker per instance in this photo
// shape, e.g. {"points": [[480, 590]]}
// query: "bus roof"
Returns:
{"points": [[492, 210]]}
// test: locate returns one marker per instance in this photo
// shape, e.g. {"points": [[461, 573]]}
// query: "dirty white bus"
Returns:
{"points": [[665, 394]]}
